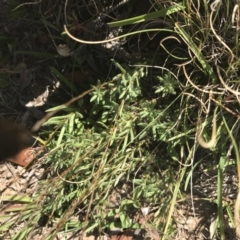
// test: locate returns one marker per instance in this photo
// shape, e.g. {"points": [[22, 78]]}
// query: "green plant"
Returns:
{"points": [[137, 134]]}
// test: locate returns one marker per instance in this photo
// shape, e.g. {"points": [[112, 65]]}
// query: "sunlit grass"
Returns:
{"points": [[138, 135]]}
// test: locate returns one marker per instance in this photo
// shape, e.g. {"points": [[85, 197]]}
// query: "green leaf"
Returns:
{"points": [[125, 220], [147, 17]]}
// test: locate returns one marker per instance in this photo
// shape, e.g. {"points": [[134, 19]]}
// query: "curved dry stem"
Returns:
{"points": [[112, 39], [215, 4], [195, 86], [28, 3], [226, 108], [213, 140], [236, 16], [198, 99], [224, 84], [218, 38]]}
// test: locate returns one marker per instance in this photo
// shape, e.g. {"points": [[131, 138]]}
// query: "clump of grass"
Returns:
{"points": [[89, 158], [203, 42], [138, 133]]}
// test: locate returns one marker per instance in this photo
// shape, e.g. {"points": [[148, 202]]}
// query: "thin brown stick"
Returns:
{"points": [[40, 122]]}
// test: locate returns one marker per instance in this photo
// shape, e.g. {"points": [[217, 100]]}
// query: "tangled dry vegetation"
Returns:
{"points": [[123, 160]]}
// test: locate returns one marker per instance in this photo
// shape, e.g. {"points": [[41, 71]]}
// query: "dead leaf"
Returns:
{"points": [[40, 100], [63, 50], [22, 158]]}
